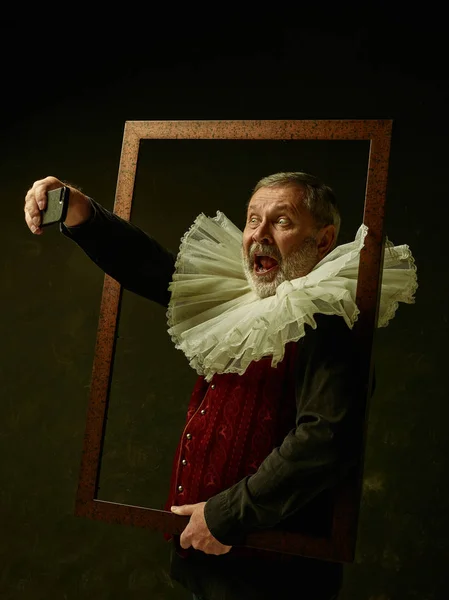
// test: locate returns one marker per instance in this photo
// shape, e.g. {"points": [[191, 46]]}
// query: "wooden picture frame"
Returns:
{"points": [[341, 544]]}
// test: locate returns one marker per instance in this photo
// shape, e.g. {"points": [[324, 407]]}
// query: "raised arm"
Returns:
{"points": [[122, 250]]}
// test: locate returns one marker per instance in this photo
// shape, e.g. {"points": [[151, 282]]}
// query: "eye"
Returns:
{"points": [[282, 221]]}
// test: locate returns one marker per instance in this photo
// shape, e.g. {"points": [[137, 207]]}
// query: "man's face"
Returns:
{"points": [[279, 239]]}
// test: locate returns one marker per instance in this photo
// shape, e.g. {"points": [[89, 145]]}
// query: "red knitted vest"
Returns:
{"points": [[233, 423]]}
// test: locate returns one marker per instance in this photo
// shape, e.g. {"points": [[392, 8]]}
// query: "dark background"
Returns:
{"points": [[68, 86]]}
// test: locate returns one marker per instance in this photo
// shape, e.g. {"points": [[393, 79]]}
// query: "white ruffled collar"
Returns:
{"points": [[221, 325]]}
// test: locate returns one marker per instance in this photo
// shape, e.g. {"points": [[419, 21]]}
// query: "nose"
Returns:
{"points": [[262, 234]]}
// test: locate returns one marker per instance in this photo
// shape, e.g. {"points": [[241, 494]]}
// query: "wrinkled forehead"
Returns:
{"points": [[287, 198]]}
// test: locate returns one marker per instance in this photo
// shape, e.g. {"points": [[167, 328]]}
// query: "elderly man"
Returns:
{"points": [[272, 421]]}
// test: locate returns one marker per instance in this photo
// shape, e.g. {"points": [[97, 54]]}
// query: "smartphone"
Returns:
{"points": [[57, 205]]}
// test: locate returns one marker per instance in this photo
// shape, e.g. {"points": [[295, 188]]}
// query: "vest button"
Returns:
{"points": [[189, 436], [212, 386], [184, 462], [203, 412], [180, 488]]}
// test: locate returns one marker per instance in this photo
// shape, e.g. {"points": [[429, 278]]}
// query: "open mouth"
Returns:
{"points": [[264, 264]]}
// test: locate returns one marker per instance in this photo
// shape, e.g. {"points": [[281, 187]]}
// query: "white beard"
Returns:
{"points": [[297, 264]]}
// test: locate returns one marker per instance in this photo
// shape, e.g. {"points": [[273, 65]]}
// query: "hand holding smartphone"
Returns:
{"points": [[57, 205]]}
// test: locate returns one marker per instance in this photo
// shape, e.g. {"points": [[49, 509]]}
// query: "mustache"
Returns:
{"points": [[264, 249]]}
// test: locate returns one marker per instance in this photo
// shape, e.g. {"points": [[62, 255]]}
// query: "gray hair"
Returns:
{"points": [[318, 198]]}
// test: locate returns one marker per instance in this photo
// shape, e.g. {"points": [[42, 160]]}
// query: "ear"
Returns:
{"points": [[325, 240]]}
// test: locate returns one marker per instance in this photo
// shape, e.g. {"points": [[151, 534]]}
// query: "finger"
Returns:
{"points": [[185, 539], [32, 212], [40, 188], [31, 206], [29, 197], [40, 191], [185, 509], [32, 224]]}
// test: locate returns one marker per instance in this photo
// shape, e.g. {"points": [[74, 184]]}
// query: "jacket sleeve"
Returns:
{"points": [[125, 252], [315, 453]]}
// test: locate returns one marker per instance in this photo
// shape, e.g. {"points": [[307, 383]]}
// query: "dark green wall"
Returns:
{"points": [[66, 119]]}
